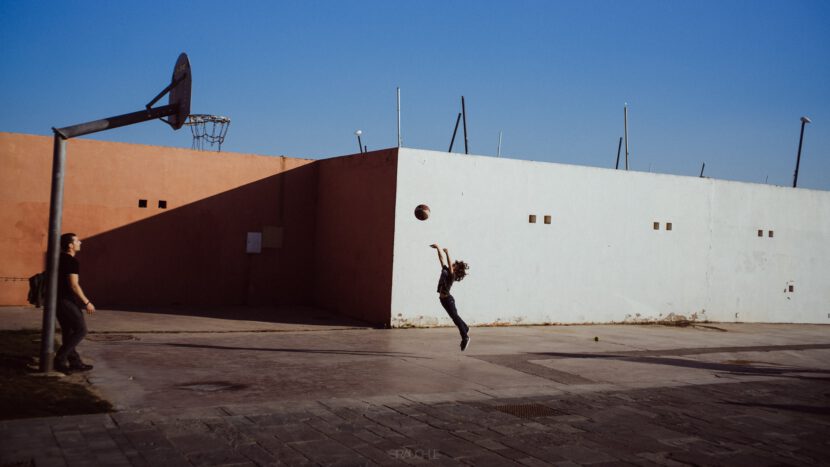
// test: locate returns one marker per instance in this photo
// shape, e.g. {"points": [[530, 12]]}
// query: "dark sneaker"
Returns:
{"points": [[62, 367], [80, 367], [465, 342]]}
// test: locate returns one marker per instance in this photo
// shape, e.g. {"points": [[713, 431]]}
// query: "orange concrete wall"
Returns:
{"points": [[193, 252], [355, 235]]}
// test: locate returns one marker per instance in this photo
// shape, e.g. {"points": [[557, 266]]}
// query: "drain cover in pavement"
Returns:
{"points": [[212, 386], [110, 337], [528, 410]]}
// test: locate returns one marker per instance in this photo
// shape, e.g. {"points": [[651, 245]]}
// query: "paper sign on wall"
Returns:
{"points": [[254, 244]]}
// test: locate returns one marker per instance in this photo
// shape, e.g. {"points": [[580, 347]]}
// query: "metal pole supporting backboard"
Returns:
{"points": [[47, 348]]}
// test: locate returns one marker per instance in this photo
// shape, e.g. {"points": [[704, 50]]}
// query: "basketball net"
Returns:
{"points": [[208, 131]]}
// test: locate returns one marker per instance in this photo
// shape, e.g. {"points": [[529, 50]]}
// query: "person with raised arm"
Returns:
{"points": [[452, 272]]}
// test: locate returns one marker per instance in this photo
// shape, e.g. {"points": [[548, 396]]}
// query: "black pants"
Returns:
{"points": [[448, 303], [73, 331]]}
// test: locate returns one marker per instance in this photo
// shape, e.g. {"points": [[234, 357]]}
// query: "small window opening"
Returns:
{"points": [[162, 204], [142, 203], [771, 234], [532, 219], [760, 233], [547, 219], [792, 288], [668, 225], [656, 226]]}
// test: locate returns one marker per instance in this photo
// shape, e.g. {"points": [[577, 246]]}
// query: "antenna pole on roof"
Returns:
{"points": [[804, 121], [701, 170], [457, 120], [498, 153], [399, 118], [625, 111], [464, 114], [619, 146]]}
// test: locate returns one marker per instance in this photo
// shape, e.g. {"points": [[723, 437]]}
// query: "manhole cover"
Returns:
{"points": [[110, 337], [212, 386], [528, 410]]}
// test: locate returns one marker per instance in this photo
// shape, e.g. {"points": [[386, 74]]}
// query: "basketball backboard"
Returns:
{"points": [[180, 92]]}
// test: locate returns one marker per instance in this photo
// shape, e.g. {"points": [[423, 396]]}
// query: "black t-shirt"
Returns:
{"points": [[68, 265], [445, 281]]}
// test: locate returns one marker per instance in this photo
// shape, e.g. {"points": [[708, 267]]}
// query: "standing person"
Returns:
{"points": [[452, 272], [70, 298]]}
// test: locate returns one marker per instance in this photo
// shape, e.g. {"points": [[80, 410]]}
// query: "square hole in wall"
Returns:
{"points": [[668, 225], [656, 226], [792, 288], [531, 218], [142, 203], [760, 233], [547, 219], [771, 234], [162, 204]]}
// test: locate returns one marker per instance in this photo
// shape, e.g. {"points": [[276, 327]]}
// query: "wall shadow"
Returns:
{"points": [[746, 369], [352, 352], [192, 259], [284, 314], [808, 409]]}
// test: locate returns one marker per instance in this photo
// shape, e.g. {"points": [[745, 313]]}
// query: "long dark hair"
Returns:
{"points": [[459, 270]]}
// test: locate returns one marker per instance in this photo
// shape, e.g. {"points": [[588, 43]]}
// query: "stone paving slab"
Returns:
{"points": [[778, 422]]}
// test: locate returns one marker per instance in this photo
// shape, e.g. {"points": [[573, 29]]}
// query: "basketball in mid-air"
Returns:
{"points": [[422, 212]]}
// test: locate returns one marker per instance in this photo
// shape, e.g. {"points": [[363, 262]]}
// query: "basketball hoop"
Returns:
{"points": [[208, 130]]}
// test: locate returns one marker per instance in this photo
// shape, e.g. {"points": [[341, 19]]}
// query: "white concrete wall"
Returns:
{"points": [[600, 260]]}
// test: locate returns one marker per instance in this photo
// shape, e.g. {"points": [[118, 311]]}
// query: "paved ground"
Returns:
{"points": [[203, 390]]}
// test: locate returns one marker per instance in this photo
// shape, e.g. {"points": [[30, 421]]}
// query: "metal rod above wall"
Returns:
{"points": [[464, 116], [625, 122], [452, 141], [804, 121]]}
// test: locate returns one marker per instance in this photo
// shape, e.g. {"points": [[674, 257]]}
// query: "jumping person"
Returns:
{"points": [[452, 272], [70, 317]]}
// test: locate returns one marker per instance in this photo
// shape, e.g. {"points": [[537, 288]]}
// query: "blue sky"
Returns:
{"points": [[721, 82]]}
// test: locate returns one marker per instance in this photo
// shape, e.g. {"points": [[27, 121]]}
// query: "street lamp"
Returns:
{"points": [[359, 143], [804, 121]]}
